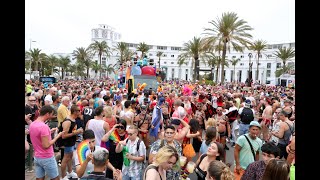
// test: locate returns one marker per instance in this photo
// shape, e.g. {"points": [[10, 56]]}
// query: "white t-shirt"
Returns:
{"points": [[48, 98]]}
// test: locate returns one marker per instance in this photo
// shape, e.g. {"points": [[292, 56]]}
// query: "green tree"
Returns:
{"points": [[64, 62], [194, 49], [234, 62], [285, 54], [143, 48], [36, 57], [83, 56], [53, 62], [100, 48], [229, 29], [121, 48], [109, 69], [159, 54], [258, 46], [95, 67]]}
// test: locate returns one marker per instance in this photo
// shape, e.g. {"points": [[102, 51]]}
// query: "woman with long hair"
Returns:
{"points": [[215, 152], [277, 169], [211, 136], [109, 117], [164, 160], [219, 170]]}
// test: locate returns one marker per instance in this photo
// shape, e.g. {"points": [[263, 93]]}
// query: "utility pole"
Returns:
{"points": [[30, 57]]}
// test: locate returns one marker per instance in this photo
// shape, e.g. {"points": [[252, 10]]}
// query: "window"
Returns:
{"points": [[242, 56], [278, 65], [233, 56], [150, 54], [164, 55], [187, 74], [164, 62], [269, 55], [162, 47], [241, 64], [103, 58], [259, 64], [172, 62], [172, 73], [172, 55], [267, 82], [280, 46], [268, 65], [239, 76], [231, 78], [172, 48], [268, 73]]}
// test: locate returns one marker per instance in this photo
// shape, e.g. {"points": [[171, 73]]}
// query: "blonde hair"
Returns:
{"points": [[164, 154], [211, 122], [108, 111], [219, 170]]}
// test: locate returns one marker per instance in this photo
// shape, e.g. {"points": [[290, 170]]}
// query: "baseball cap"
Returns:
{"points": [[255, 123]]}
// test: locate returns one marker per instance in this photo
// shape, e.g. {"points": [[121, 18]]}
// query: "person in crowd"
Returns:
{"points": [[219, 170], [164, 160], [278, 169]]}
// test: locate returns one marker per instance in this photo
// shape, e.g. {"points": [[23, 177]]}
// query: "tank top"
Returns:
{"points": [[200, 173], [286, 136], [97, 127], [70, 141]]}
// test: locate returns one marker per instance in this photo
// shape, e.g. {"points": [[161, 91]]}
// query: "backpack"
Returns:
{"points": [[246, 115], [138, 144]]}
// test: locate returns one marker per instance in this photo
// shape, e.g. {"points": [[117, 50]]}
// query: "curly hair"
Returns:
{"points": [[219, 171]]}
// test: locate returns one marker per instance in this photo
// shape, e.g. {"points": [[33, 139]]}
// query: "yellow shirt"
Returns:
{"points": [[62, 113], [29, 88]]}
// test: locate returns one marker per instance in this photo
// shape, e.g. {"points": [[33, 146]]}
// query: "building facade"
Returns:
{"points": [[268, 62]]}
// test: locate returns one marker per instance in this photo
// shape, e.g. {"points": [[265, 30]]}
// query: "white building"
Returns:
{"points": [[268, 63]]}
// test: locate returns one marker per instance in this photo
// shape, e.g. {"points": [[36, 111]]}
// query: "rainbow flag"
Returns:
{"points": [[82, 149]]}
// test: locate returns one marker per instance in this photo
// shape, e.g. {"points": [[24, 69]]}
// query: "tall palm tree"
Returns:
{"points": [[193, 49], [285, 54], [159, 54], [121, 47], [95, 67], [229, 30], [234, 62], [144, 48], [127, 54], [83, 56], [64, 62], [109, 69], [53, 61], [36, 57], [100, 48], [259, 46]]}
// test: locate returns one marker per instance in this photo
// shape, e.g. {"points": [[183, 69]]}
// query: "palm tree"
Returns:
{"points": [[53, 61], [127, 54], [64, 64], [36, 57], [285, 54], [95, 67], [159, 54], [234, 62], [193, 49], [258, 46], [109, 69], [144, 48], [83, 56], [121, 47], [100, 48], [229, 30]]}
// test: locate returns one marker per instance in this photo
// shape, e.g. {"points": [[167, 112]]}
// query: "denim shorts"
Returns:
{"points": [[46, 166], [69, 149]]}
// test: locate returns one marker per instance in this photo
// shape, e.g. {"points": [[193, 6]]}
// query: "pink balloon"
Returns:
{"points": [[148, 70]]}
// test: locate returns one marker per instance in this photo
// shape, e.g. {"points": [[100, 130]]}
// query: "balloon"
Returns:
{"points": [[135, 70], [148, 70]]}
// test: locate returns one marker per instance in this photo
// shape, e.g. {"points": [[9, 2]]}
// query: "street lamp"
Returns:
{"points": [[250, 67], [30, 57]]}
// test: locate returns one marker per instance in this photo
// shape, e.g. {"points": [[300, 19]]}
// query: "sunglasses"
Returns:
{"points": [[120, 127]]}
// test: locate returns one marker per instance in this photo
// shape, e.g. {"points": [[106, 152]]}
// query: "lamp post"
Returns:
{"points": [[30, 57], [250, 67]]}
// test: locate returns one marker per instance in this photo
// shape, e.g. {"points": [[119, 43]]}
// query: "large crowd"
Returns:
{"points": [[96, 129]]}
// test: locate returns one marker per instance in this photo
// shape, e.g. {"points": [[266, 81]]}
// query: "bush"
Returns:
{"points": [[210, 82]]}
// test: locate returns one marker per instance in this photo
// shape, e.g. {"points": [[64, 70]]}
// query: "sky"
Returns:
{"points": [[60, 26]]}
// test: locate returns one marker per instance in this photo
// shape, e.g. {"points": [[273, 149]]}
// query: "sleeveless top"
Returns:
{"points": [[97, 127], [151, 167], [70, 141], [286, 135], [200, 173]]}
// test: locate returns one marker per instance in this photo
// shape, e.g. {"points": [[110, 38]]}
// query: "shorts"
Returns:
{"points": [[46, 166], [69, 149]]}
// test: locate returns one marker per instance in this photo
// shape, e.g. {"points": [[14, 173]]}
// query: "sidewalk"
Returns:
{"points": [[30, 175]]}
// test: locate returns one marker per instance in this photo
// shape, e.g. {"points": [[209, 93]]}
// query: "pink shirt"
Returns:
{"points": [[38, 129]]}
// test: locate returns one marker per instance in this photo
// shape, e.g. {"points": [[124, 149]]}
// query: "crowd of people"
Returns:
{"points": [[158, 133]]}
